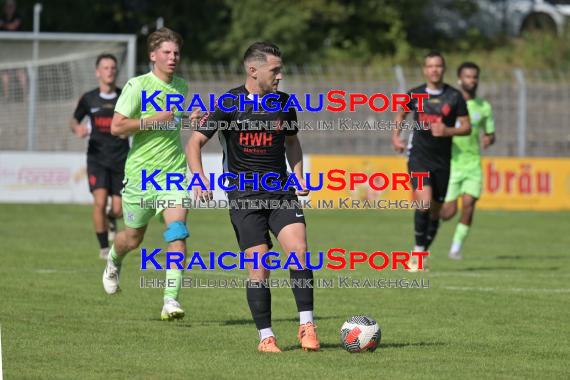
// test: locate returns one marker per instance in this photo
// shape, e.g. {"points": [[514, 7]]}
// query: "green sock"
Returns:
{"points": [[117, 260], [174, 277], [461, 232]]}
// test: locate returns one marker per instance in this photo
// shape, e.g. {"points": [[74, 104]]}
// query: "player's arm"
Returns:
{"points": [[205, 130], [124, 126], [489, 128], [397, 142], [294, 154], [194, 157], [126, 119], [463, 129], [79, 129]]}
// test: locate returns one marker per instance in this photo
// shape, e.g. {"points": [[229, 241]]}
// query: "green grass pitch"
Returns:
{"points": [[502, 312]]}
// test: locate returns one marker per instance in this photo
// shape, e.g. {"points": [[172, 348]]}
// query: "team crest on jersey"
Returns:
{"points": [[475, 117], [445, 109]]}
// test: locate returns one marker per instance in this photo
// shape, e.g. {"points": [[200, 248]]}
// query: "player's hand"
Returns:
{"points": [[438, 129], [203, 195], [305, 191], [398, 145], [81, 130], [195, 118], [488, 140], [163, 116]]}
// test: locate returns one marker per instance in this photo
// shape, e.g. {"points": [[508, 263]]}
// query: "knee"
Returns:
{"points": [[448, 212], [299, 248], [176, 231], [117, 211], [100, 204], [133, 241]]}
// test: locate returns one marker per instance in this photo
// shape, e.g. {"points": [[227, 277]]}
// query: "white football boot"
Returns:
{"points": [[111, 277], [171, 310]]}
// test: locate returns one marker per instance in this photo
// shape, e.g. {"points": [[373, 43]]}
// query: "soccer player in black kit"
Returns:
{"points": [[252, 150], [106, 154], [430, 150]]}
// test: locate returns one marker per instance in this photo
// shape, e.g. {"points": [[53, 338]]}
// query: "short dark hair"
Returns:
{"points": [[434, 54], [468, 65], [103, 56], [260, 50]]}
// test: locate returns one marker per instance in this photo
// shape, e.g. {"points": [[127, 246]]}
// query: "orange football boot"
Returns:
{"points": [[308, 337], [268, 344]]}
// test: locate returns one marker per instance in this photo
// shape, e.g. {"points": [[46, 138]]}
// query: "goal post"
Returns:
{"points": [[42, 76]]}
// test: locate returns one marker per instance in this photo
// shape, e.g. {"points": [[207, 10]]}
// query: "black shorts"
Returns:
{"points": [[100, 176], [438, 179], [252, 225]]}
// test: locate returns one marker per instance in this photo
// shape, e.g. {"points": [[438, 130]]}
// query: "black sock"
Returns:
{"points": [[431, 232], [259, 301], [421, 221], [304, 293], [103, 239]]}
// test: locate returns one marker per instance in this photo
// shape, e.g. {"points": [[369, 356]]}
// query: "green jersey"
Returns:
{"points": [[465, 150], [152, 149]]}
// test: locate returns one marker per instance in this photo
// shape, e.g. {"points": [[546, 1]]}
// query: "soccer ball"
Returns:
{"points": [[360, 333]]}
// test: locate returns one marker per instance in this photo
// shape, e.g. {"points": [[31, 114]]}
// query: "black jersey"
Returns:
{"points": [[104, 148], [445, 106], [250, 143]]}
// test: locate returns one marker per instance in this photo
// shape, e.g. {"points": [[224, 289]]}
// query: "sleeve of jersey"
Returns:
{"points": [[412, 103], [81, 110], [461, 106], [210, 121], [489, 121], [129, 102], [292, 121]]}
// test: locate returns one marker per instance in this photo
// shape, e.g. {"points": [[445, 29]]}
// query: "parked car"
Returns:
{"points": [[495, 17]]}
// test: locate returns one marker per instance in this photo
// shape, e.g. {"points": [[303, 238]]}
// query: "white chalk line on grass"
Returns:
{"points": [[1, 375], [496, 290]]}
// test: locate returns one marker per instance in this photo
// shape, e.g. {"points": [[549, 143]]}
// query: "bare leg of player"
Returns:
{"points": [[293, 238], [99, 220], [125, 241], [175, 235], [463, 227], [259, 299], [115, 213], [448, 210]]}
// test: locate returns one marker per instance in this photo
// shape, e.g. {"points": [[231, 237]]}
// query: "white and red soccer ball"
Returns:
{"points": [[360, 333]]}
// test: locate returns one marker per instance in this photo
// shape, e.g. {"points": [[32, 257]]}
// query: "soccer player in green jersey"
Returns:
{"points": [[466, 180], [151, 150]]}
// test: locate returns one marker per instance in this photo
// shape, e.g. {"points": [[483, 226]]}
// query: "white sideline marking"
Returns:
{"points": [[517, 290], [1, 375]]}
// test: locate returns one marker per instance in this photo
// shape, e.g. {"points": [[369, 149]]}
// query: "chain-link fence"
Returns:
{"points": [[530, 108]]}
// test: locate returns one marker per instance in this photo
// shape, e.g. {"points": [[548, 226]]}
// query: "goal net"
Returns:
{"points": [[40, 85]]}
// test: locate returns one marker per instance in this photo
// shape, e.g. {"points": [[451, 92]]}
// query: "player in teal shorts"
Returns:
{"points": [[151, 150], [466, 180]]}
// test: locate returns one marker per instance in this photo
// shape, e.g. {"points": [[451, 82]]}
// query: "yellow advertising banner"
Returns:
{"points": [[508, 183]]}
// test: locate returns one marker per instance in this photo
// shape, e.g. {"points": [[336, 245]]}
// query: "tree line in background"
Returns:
{"points": [[310, 31]]}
